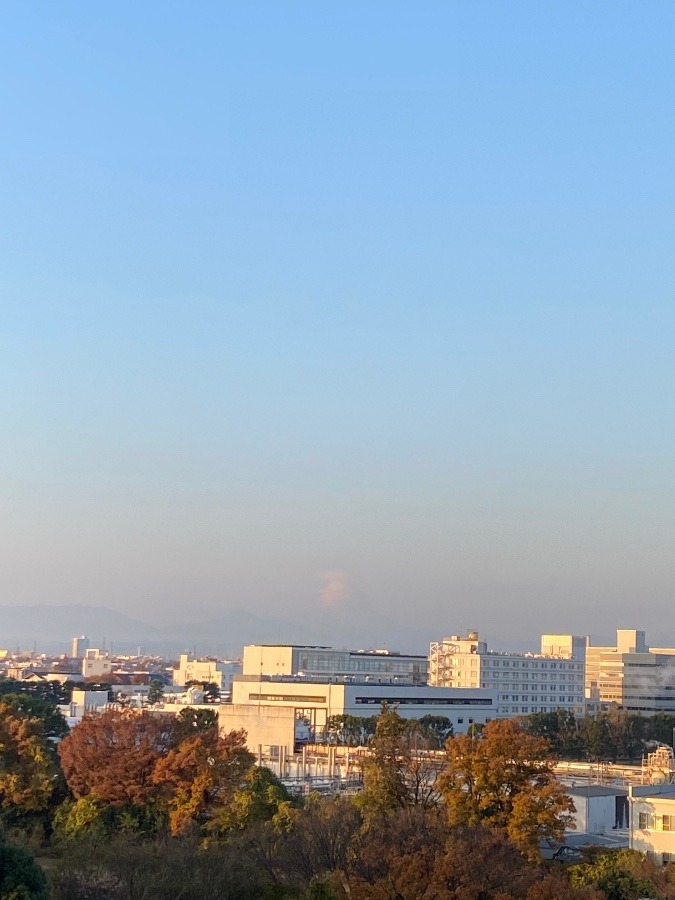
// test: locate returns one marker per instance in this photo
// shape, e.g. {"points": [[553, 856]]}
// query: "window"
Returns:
{"points": [[668, 823], [460, 721], [645, 821]]}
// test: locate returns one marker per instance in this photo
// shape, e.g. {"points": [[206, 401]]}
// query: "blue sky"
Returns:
{"points": [[362, 306]]}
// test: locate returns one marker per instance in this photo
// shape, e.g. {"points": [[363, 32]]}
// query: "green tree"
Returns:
{"points": [[156, 692], [261, 798], [505, 780], [190, 721], [437, 728], [384, 770], [621, 875], [21, 878]]}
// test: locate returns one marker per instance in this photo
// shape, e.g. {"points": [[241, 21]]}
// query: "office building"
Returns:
{"points": [[377, 665], [79, 647], [631, 675], [524, 683]]}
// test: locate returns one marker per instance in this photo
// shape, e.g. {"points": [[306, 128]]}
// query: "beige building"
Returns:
{"points": [[524, 683], [632, 675], [652, 820], [96, 664], [208, 671], [377, 665]]}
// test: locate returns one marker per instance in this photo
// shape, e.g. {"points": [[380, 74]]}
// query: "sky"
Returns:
{"points": [[322, 310]]}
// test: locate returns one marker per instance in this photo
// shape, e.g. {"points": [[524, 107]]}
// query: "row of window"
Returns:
{"points": [[427, 701], [514, 710], [534, 664], [577, 678], [652, 822], [517, 698]]}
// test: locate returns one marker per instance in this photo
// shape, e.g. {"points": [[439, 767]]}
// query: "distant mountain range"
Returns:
{"points": [[51, 629]]}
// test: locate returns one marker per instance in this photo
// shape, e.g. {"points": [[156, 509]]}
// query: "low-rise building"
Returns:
{"points": [[315, 700], [652, 820], [523, 682], [599, 808], [96, 664]]}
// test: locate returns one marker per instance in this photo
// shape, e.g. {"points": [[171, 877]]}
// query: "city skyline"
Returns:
{"points": [[353, 315]]}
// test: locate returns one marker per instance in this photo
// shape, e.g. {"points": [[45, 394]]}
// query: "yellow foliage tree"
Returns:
{"points": [[27, 771], [505, 780]]}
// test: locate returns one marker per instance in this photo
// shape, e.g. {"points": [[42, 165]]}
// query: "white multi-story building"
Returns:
{"points": [[376, 665], [635, 677], [523, 682]]}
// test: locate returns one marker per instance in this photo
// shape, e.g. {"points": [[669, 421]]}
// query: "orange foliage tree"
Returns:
{"points": [[505, 779], [113, 755], [202, 774]]}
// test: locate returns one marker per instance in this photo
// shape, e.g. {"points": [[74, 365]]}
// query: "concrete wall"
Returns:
{"points": [[265, 726], [267, 660]]}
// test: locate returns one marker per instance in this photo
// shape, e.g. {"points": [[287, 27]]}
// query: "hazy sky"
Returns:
{"points": [[312, 307]]}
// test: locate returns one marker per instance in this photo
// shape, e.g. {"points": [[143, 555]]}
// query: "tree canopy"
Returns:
{"points": [[505, 779]]}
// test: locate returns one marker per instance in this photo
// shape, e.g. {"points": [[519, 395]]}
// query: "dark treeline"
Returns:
{"points": [[611, 736]]}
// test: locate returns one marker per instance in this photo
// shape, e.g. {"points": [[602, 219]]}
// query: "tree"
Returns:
{"points": [[34, 706], [437, 728], [505, 780], [21, 878], [189, 721], [156, 692], [384, 770], [113, 755], [202, 774], [397, 773], [261, 798], [28, 775], [622, 875]]}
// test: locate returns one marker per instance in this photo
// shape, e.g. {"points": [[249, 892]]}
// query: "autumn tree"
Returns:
{"points": [[505, 780], [28, 775], [399, 770], [35, 706], [262, 797], [113, 755], [411, 854], [201, 774]]}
